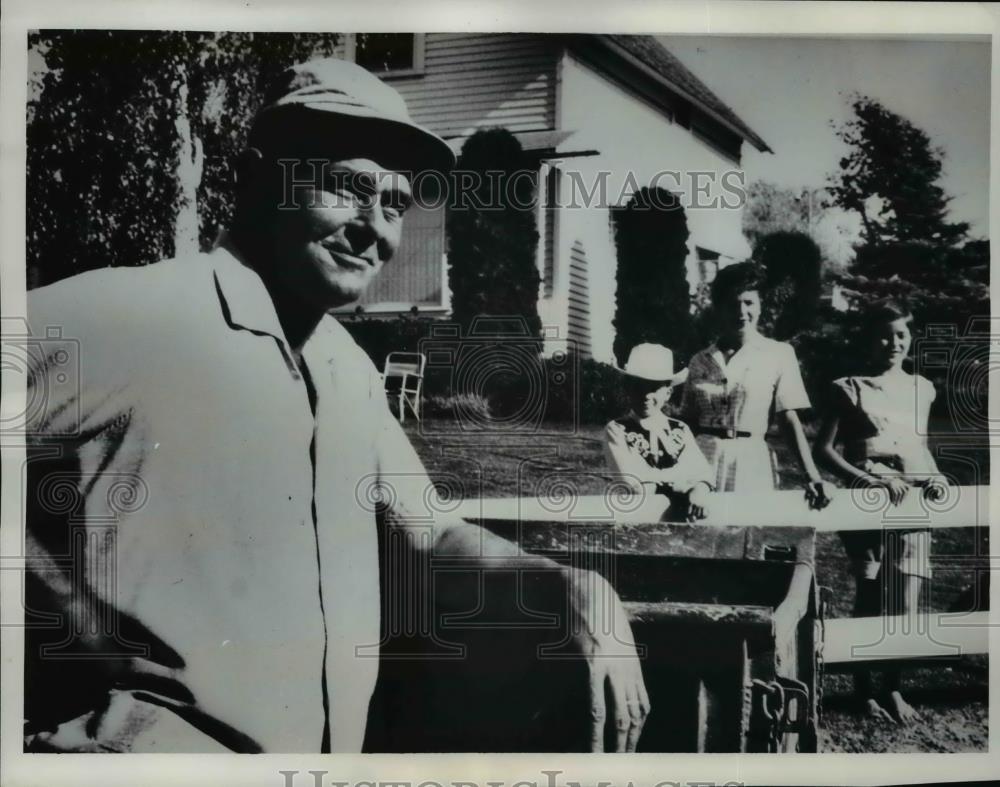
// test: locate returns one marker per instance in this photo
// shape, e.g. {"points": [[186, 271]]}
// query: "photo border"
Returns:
{"points": [[918, 21]]}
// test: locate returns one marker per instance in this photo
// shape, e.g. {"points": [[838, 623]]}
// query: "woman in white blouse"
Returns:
{"points": [[737, 385]]}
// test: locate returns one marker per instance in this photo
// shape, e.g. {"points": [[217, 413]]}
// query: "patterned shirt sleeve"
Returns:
{"points": [[628, 467], [691, 469]]}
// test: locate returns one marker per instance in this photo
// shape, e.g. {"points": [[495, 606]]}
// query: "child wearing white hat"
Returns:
{"points": [[647, 448]]}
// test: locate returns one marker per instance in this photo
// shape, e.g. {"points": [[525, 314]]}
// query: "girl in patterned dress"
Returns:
{"points": [[880, 421], [737, 385]]}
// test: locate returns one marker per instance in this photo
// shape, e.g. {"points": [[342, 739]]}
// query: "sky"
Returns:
{"points": [[788, 90]]}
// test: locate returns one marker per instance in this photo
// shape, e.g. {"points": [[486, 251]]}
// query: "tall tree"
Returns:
{"points": [[493, 234], [771, 208], [793, 264], [941, 285], [890, 178], [493, 275], [653, 298], [909, 250], [130, 137]]}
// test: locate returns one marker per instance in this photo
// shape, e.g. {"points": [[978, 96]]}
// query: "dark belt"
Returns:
{"points": [[718, 431]]}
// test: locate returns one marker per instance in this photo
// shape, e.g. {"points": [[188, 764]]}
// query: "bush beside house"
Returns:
{"points": [[492, 234], [653, 298]]}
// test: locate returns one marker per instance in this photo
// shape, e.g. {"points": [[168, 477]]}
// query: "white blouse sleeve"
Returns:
{"points": [[789, 391]]}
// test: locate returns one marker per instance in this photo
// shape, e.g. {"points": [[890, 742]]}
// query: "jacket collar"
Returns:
{"points": [[246, 302], [755, 340], [656, 421], [247, 305]]}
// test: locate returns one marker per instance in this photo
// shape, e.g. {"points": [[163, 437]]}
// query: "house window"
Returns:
{"points": [[416, 275], [700, 279], [548, 216], [387, 54], [708, 265]]}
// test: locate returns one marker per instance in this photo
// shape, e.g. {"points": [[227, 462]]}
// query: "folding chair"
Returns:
{"points": [[408, 369]]}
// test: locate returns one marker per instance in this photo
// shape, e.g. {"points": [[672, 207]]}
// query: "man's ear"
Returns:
{"points": [[249, 168]]}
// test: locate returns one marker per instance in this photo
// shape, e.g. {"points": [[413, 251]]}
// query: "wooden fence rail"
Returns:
{"points": [[847, 640], [930, 635], [850, 509]]}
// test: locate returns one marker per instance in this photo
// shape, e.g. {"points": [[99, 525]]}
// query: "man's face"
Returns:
{"points": [[336, 226]]}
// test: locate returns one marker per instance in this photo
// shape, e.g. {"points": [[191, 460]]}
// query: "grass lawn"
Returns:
{"points": [[951, 697]]}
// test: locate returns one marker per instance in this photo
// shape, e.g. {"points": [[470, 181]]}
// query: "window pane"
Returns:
{"points": [[414, 275], [380, 52]]}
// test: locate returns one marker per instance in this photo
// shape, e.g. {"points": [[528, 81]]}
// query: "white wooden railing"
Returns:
{"points": [[847, 640], [849, 509]]}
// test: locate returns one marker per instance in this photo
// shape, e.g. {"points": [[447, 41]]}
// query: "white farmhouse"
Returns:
{"points": [[601, 116]]}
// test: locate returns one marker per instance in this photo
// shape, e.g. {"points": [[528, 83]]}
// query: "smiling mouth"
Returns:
{"points": [[345, 257]]}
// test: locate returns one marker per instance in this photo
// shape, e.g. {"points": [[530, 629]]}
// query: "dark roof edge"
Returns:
{"points": [[745, 132]]}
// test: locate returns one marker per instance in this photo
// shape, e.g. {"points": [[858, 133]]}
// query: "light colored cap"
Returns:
{"points": [[655, 363], [361, 106]]}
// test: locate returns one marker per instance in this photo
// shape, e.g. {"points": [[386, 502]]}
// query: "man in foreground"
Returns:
{"points": [[223, 589]]}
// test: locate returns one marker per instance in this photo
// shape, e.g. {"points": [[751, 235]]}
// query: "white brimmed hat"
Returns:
{"points": [[351, 102], [655, 363]]}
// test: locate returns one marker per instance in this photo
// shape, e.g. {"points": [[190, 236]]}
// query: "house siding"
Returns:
{"points": [[531, 83], [468, 81], [548, 217], [578, 307], [473, 81], [632, 137]]}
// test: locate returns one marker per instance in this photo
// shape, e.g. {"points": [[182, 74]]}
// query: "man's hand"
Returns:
{"points": [[698, 499], [619, 703], [599, 629]]}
